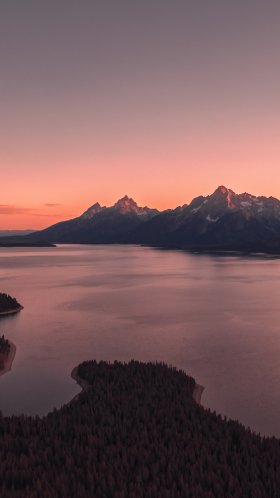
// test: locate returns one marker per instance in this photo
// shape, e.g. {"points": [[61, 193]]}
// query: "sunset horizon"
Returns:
{"points": [[160, 103], [140, 248], [41, 216]]}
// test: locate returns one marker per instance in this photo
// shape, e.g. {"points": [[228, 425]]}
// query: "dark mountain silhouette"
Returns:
{"points": [[98, 225], [12, 233], [223, 220]]}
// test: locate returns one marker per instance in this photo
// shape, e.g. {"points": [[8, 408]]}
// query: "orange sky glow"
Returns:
{"points": [[160, 104]]}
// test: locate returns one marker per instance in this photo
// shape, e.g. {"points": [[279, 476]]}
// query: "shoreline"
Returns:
{"points": [[81, 383], [11, 312], [9, 360], [197, 393]]}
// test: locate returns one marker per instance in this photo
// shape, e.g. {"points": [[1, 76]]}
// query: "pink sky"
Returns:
{"points": [[162, 101]]}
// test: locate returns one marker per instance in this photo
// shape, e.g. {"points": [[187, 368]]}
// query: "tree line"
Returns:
{"points": [[4, 346], [8, 303]]}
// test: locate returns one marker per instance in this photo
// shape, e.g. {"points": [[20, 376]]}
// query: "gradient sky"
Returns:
{"points": [[162, 100]]}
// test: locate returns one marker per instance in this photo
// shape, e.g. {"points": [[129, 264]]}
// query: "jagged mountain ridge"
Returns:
{"points": [[99, 224], [223, 219]]}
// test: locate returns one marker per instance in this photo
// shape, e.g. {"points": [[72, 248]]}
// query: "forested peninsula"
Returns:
{"points": [[7, 354], [9, 304], [135, 432]]}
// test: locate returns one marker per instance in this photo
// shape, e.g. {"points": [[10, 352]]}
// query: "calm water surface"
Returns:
{"points": [[218, 318]]}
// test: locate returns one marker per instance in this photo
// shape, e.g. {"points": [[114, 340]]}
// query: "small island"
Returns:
{"points": [[9, 304], [7, 354]]}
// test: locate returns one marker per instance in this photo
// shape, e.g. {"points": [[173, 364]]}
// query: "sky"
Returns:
{"points": [[162, 100]]}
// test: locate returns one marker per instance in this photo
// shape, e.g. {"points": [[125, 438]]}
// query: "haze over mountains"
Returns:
{"points": [[222, 220]]}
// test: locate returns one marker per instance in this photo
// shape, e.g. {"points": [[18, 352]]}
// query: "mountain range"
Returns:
{"points": [[223, 220]]}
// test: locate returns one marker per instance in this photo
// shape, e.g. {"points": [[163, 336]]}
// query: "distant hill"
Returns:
{"points": [[223, 220], [11, 233]]}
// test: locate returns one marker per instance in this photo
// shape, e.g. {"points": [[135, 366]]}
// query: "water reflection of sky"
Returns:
{"points": [[216, 317]]}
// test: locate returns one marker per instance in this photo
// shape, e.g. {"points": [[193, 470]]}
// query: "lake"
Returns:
{"points": [[218, 318]]}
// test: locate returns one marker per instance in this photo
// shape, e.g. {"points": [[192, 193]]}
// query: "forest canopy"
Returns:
{"points": [[8, 303], [135, 431]]}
